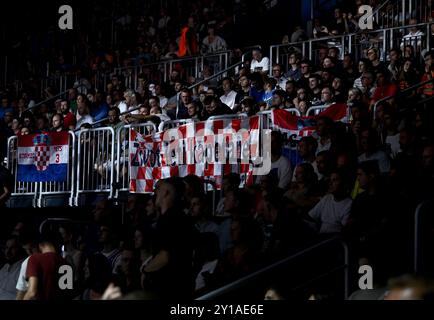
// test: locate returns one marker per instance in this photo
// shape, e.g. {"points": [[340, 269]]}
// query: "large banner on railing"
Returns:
{"points": [[207, 149], [287, 122], [43, 157]]}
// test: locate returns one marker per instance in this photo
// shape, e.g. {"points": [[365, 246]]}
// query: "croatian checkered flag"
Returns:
{"points": [[43, 157]]}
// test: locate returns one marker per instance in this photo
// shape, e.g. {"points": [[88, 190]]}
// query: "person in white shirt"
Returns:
{"points": [[229, 96], [213, 43], [331, 213], [413, 38], [278, 76], [368, 142], [10, 271], [259, 63], [128, 103]]}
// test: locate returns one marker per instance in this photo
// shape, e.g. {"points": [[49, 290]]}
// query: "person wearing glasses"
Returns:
{"points": [[294, 71], [279, 77]]}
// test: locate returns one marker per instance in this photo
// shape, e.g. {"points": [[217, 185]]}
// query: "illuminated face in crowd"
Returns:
{"points": [[57, 121]]}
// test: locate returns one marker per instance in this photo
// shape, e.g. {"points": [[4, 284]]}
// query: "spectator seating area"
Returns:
{"points": [[365, 179]]}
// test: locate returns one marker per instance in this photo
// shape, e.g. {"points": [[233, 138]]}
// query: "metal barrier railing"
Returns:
{"points": [[412, 88], [355, 43], [267, 271], [40, 189], [313, 111], [20, 188], [122, 154], [176, 123], [161, 70], [95, 158], [59, 188], [421, 210]]}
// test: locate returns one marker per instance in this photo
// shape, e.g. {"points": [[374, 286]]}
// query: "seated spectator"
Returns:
{"points": [[319, 30], [385, 88], [294, 72], [83, 113], [194, 110], [244, 256], [201, 214], [269, 87], [206, 260], [259, 63], [301, 195], [14, 255], [413, 37], [331, 213], [248, 106], [69, 120], [280, 165], [170, 270], [214, 107], [109, 240], [374, 58], [364, 66], [407, 76], [229, 96], [278, 100], [57, 123], [279, 77], [327, 97], [324, 126], [212, 42], [369, 145]]}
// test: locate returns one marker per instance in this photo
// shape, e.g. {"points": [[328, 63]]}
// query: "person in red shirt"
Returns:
{"points": [[69, 120], [43, 270], [385, 88]]}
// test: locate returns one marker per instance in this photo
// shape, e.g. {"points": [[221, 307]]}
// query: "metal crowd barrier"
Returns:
{"points": [[19, 188], [95, 158], [61, 188], [313, 111], [39, 190], [356, 44], [122, 155], [176, 123]]}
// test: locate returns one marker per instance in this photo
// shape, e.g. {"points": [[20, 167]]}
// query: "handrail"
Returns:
{"points": [[374, 110], [215, 75], [253, 276], [54, 97], [228, 116], [41, 226], [374, 12], [417, 235], [323, 106], [170, 60], [120, 115]]}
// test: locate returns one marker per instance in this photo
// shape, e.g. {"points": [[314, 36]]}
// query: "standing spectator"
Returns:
{"points": [[188, 43], [212, 42]]}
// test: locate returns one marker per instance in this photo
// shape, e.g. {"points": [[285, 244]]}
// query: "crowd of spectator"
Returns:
{"points": [[361, 179]]}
